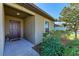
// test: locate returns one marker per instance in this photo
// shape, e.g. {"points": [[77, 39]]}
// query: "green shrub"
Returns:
{"points": [[71, 51], [74, 42], [52, 46]]}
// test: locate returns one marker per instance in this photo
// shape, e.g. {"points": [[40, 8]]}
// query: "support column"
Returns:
{"points": [[2, 36]]}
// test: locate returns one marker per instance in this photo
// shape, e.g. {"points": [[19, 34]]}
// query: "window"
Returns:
{"points": [[46, 26]]}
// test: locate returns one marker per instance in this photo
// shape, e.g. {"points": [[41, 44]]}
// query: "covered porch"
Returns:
{"points": [[19, 48], [16, 31]]}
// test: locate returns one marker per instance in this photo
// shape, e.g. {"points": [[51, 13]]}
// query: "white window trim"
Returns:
{"points": [[44, 24]]}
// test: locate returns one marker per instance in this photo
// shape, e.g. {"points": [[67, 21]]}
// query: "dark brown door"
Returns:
{"points": [[14, 29]]}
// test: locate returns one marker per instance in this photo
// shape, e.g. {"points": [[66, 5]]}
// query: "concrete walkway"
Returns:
{"points": [[19, 48]]}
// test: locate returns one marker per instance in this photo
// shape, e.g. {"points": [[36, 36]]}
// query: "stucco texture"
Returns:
{"points": [[32, 27], [2, 37], [40, 27], [29, 28]]}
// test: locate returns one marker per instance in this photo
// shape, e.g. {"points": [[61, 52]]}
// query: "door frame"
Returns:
{"points": [[8, 18], [18, 23]]}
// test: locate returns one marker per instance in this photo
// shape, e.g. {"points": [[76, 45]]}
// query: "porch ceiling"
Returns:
{"points": [[13, 12]]}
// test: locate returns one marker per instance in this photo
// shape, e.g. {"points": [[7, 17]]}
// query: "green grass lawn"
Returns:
{"points": [[72, 36]]}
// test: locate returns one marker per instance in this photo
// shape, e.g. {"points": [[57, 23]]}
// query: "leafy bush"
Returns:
{"points": [[71, 51], [74, 42], [72, 48], [52, 46]]}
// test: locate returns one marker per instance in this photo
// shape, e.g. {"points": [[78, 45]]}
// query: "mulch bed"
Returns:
{"points": [[37, 48], [65, 41]]}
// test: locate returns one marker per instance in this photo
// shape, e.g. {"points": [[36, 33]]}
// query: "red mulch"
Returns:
{"points": [[65, 41], [37, 48]]}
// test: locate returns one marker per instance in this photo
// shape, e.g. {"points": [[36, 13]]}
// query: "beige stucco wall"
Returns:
{"points": [[7, 18], [39, 27], [29, 28], [33, 25], [2, 37], [34, 29]]}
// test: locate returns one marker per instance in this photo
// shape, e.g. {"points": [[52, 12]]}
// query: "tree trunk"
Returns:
{"points": [[76, 34]]}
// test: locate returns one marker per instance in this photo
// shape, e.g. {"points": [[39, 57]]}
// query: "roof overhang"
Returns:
{"points": [[36, 9]]}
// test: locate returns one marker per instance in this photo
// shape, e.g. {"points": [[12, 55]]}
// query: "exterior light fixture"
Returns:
{"points": [[18, 13]]}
